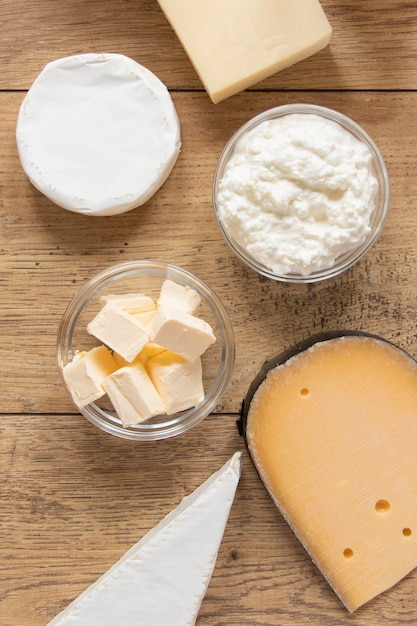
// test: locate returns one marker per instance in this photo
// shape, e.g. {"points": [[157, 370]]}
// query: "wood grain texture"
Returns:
{"points": [[373, 46], [80, 499], [74, 499], [48, 253]]}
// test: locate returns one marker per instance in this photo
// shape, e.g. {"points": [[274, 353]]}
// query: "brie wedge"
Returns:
{"points": [[97, 134], [162, 580]]}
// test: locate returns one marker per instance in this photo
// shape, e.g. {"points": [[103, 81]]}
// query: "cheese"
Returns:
{"points": [[178, 382], [133, 394], [98, 134], [119, 330], [180, 332], [333, 433], [149, 351], [238, 43], [163, 578], [297, 193], [84, 375], [181, 297]]}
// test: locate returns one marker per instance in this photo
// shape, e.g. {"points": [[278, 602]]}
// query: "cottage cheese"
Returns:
{"points": [[298, 192]]}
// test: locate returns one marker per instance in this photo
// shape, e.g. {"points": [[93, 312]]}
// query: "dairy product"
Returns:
{"points": [[156, 350], [234, 44], [139, 305], [119, 330], [179, 382], [84, 375], [333, 434], [181, 297], [98, 134], [133, 303], [180, 332], [163, 578], [297, 192], [133, 395]]}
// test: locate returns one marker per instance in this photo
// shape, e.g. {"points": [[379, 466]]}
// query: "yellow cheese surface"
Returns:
{"points": [[333, 434], [234, 44]]}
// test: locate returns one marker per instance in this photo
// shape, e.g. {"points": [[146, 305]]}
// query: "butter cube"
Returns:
{"points": [[149, 351], [133, 394], [131, 302], [119, 330], [236, 43], [178, 382], [178, 296], [84, 375], [180, 332]]}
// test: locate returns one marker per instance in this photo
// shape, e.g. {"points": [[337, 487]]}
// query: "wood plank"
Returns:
{"points": [[48, 253], [74, 500], [372, 47]]}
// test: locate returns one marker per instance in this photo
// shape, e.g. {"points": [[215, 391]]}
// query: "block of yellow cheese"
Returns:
{"points": [[234, 44], [333, 434]]}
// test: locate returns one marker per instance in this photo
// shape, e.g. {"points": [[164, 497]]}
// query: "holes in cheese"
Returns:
{"points": [[340, 461], [382, 506]]}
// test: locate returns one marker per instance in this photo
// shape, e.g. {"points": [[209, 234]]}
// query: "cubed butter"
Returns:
{"points": [[237, 43], [180, 332], [178, 296], [131, 302], [178, 382], [133, 394], [149, 351], [84, 375], [119, 330]]}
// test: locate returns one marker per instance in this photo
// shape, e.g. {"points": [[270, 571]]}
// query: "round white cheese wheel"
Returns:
{"points": [[97, 134]]}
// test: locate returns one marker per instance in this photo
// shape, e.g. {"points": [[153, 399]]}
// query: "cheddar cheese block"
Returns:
{"points": [[332, 431], [236, 43]]}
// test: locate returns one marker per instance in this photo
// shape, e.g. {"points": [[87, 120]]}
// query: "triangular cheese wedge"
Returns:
{"points": [[163, 578]]}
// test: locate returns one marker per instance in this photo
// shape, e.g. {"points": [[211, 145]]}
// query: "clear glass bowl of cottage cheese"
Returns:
{"points": [[119, 283], [300, 193]]}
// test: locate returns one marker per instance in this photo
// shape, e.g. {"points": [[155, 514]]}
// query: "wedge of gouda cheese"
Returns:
{"points": [[234, 44], [333, 434]]}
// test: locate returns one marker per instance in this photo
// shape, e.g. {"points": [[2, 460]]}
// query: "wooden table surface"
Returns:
{"points": [[73, 499]]}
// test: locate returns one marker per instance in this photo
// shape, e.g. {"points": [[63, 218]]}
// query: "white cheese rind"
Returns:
{"points": [[163, 579], [97, 134]]}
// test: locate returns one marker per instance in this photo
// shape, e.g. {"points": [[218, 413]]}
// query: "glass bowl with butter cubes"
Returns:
{"points": [[300, 193], [145, 350]]}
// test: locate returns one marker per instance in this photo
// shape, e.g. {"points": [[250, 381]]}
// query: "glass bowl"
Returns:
{"points": [[378, 216], [147, 276]]}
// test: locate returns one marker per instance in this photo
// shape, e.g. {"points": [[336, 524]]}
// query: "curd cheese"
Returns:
{"points": [[297, 193]]}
